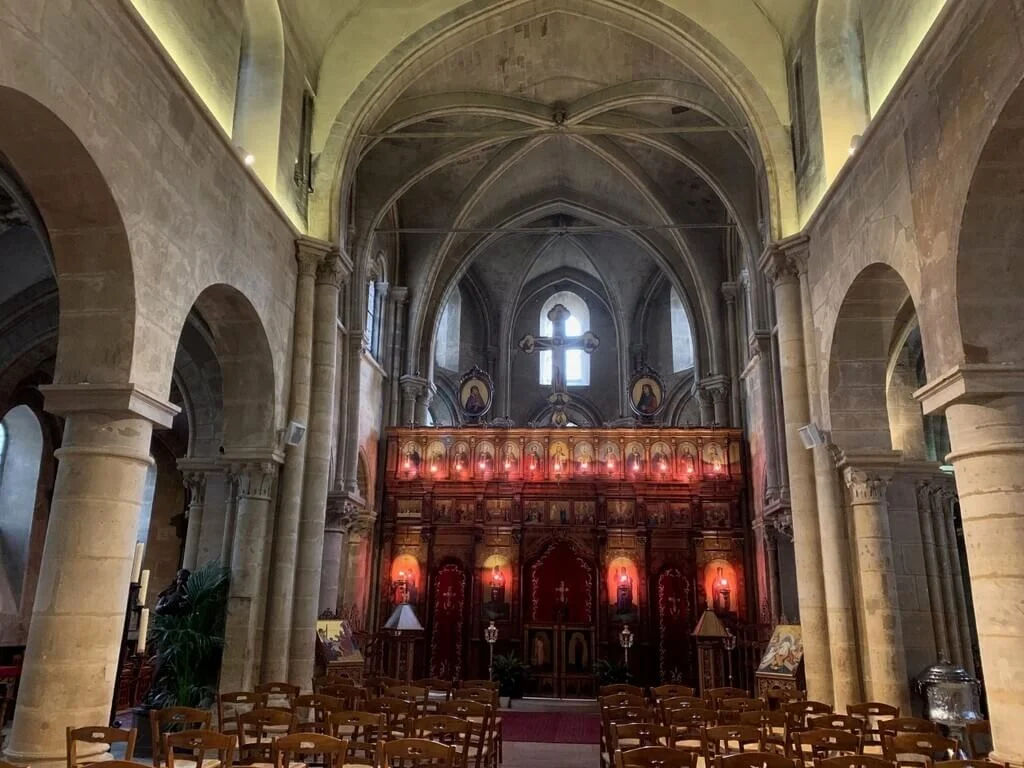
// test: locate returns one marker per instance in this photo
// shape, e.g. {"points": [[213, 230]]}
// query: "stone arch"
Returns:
{"points": [[364, 486], [989, 276], [86, 235], [243, 351], [256, 128], [21, 455], [842, 85], [862, 339]]}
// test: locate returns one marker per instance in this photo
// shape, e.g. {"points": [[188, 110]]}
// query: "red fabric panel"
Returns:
{"points": [[673, 625], [449, 621], [559, 566]]}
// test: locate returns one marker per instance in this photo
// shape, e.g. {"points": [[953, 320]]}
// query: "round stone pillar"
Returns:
{"points": [[74, 640], [959, 595], [940, 511], [782, 263], [281, 591], [885, 666], [707, 406], [317, 472], [932, 568], [194, 474], [334, 542]]}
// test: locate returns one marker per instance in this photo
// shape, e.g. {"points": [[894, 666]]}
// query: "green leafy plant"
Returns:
{"points": [[608, 673], [510, 674], [189, 646]]}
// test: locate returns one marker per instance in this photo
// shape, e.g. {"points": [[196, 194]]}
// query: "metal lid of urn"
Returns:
{"points": [[952, 697]]}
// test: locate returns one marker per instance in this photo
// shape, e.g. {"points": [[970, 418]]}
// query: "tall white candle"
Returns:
{"points": [[140, 645], [140, 550], [143, 586]]}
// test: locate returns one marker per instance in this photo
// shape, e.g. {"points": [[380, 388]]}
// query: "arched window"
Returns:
{"points": [[21, 451], [577, 362], [449, 329], [682, 334], [371, 309]]}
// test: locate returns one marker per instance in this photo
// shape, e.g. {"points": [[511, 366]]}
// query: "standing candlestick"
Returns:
{"points": [[140, 550], [143, 587], [140, 644], [491, 636]]}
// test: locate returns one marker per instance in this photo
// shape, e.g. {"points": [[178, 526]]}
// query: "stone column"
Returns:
{"points": [[281, 593], [760, 347], [718, 388], [957, 572], [415, 392], [380, 294], [885, 666], [781, 432], [707, 406], [946, 574], [399, 296], [194, 473], [355, 577], [731, 337], [835, 551], [931, 568], [243, 634], [423, 405], [329, 276], [230, 512], [70, 666], [334, 536], [782, 263], [984, 407], [356, 348], [771, 564]]}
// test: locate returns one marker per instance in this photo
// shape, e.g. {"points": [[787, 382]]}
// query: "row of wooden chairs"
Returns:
{"points": [[668, 757]]}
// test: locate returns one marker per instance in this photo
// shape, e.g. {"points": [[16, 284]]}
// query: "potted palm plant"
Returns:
{"points": [[510, 674]]}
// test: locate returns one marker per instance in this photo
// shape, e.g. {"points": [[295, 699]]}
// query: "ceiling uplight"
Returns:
{"points": [[249, 159]]}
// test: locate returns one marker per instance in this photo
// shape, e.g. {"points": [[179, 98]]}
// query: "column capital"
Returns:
{"points": [[414, 386], [254, 478], [730, 290], [717, 387], [972, 383], [785, 260], [867, 486], [399, 294], [332, 270], [123, 400], [759, 343], [194, 474], [309, 252]]}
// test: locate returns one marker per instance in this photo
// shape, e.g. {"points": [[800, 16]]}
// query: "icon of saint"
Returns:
{"points": [[475, 403], [648, 402]]}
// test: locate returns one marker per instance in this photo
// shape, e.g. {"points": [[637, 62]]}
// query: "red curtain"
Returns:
{"points": [[562, 586], [449, 621], [673, 625]]}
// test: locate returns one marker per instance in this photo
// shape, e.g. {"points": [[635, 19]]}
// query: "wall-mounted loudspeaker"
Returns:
{"points": [[294, 433]]}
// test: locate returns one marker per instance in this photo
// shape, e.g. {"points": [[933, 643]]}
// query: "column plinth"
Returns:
{"points": [[70, 666]]}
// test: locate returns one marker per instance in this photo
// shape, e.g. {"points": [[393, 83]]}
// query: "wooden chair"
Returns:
{"points": [[755, 760], [446, 729], [714, 695], [411, 693], [415, 753], [311, 711], [278, 694], [853, 761], [655, 757], [301, 749], [668, 691], [621, 700], [375, 684], [437, 691], [919, 749], [679, 702], [398, 714], [613, 715], [722, 740], [106, 764], [872, 713], [489, 684], [902, 725], [772, 723], [174, 719], [257, 731], [362, 731], [195, 746], [481, 717], [835, 722], [978, 736], [729, 710], [351, 696], [627, 736], [608, 690], [687, 726], [99, 734], [818, 743], [966, 764], [797, 714], [233, 703]]}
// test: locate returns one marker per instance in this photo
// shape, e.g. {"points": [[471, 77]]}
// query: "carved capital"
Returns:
{"points": [[784, 261], [399, 294], [782, 522], [414, 386], [330, 270], [704, 396], [867, 486], [729, 292], [254, 479], [195, 484]]}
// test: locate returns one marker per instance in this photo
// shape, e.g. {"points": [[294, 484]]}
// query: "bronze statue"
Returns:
{"points": [[173, 600]]}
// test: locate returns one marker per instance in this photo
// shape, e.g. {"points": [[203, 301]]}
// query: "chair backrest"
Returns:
{"points": [[714, 695], [305, 747], [727, 739], [362, 731], [174, 719], [853, 761], [446, 729], [978, 736], [621, 700], [257, 730], [627, 736], [465, 708], [415, 753], [670, 690], [232, 703], [350, 695], [744, 704], [873, 713], [691, 717], [99, 734], [106, 764], [847, 723], [608, 690], [964, 764], [755, 760], [927, 745], [397, 712], [197, 745], [655, 757], [798, 712], [278, 693], [486, 695], [679, 702], [312, 709], [825, 742], [489, 684], [407, 692], [900, 725], [479, 715]]}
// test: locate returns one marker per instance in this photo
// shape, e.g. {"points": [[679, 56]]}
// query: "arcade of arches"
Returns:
{"points": [[560, 314]]}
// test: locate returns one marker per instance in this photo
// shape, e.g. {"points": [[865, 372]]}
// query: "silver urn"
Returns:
{"points": [[952, 697]]}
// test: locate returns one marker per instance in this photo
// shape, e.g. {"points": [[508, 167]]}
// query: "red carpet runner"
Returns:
{"points": [[551, 727]]}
